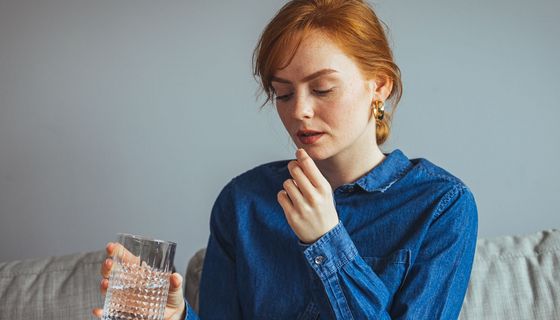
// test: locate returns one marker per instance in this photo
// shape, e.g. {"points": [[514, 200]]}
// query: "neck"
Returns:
{"points": [[347, 167]]}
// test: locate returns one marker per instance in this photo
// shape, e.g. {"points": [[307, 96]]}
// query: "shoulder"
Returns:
{"points": [[262, 179], [446, 188], [255, 187], [424, 169], [271, 170], [424, 172]]}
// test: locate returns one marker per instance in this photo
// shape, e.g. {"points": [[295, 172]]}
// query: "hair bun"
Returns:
{"points": [[383, 129]]}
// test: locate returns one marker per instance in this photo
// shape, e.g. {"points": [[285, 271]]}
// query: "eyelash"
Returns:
{"points": [[320, 93], [284, 97]]}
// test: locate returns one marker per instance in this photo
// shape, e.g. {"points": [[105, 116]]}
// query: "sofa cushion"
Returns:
{"points": [[65, 287], [515, 277]]}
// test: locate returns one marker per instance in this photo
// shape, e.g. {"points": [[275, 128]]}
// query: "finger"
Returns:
{"points": [[118, 250], [175, 300], [287, 206], [106, 265], [294, 194], [110, 248], [302, 181], [285, 203], [175, 290], [97, 312], [175, 282], [106, 268], [104, 286], [310, 168]]}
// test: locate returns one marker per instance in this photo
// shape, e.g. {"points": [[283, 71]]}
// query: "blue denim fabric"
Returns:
{"points": [[403, 248]]}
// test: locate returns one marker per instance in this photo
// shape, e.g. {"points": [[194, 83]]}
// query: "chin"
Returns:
{"points": [[316, 153]]}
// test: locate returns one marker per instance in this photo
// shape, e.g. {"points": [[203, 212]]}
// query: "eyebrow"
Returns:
{"points": [[307, 78]]}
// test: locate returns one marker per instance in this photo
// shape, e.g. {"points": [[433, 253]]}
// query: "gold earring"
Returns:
{"points": [[378, 109]]}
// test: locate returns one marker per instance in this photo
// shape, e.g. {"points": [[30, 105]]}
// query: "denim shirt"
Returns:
{"points": [[403, 248]]}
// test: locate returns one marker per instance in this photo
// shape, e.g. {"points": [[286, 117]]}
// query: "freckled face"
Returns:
{"points": [[322, 89]]}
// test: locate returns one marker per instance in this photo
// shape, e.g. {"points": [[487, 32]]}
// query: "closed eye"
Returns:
{"points": [[323, 92], [284, 97]]}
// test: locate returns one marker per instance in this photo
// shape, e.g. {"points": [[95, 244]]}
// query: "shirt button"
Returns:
{"points": [[319, 260]]}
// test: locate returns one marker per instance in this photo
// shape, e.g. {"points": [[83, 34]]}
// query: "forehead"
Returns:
{"points": [[316, 51]]}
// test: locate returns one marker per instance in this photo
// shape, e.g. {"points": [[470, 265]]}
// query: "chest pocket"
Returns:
{"points": [[392, 269]]}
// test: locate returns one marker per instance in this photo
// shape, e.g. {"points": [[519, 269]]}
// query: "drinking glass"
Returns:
{"points": [[139, 279]]}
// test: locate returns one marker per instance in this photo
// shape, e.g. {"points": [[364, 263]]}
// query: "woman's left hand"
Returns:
{"points": [[307, 200]]}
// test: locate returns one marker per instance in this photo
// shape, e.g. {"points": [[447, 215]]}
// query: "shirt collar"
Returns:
{"points": [[382, 176]]}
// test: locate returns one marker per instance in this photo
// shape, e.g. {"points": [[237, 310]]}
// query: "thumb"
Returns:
{"points": [[175, 298]]}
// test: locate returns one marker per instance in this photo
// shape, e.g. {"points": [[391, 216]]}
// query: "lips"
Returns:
{"points": [[307, 132], [309, 136]]}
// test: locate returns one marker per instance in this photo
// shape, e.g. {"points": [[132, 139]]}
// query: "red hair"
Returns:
{"points": [[352, 24]]}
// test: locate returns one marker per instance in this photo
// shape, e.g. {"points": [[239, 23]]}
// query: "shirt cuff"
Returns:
{"points": [[331, 252], [189, 312]]}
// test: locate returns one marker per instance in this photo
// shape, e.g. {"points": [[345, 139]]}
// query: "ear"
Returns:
{"points": [[381, 87]]}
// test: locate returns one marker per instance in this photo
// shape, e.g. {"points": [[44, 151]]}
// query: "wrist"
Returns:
{"points": [[184, 313]]}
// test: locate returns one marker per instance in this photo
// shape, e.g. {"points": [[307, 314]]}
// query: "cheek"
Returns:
{"points": [[349, 112], [359, 105], [283, 116]]}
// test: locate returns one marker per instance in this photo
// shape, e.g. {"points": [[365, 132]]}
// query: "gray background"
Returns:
{"points": [[131, 115]]}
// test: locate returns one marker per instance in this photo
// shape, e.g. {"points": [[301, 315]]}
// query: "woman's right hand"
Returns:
{"points": [[175, 307]]}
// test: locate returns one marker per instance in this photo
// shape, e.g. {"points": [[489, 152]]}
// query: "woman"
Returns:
{"points": [[344, 231]]}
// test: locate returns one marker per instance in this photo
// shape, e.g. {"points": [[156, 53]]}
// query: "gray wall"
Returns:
{"points": [[131, 115]]}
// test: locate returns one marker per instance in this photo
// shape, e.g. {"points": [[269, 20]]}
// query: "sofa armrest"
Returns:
{"points": [[192, 278], [65, 287]]}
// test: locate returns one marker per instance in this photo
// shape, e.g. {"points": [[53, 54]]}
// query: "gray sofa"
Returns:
{"points": [[514, 277]]}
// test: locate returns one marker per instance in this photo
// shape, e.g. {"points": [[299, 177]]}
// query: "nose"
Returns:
{"points": [[303, 107]]}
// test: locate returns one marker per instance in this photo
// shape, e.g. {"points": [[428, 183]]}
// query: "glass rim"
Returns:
{"points": [[134, 236]]}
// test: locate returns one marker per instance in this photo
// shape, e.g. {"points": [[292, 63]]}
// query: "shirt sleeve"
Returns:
{"points": [[189, 313], [218, 290], [444, 262], [434, 287]]}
